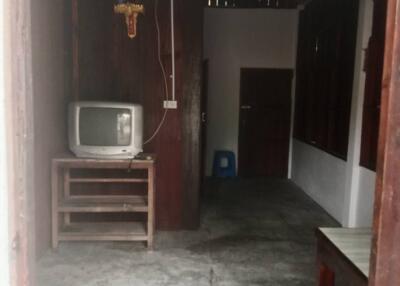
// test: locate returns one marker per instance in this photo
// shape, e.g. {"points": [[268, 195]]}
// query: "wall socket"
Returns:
{"points": [[170, 104]]}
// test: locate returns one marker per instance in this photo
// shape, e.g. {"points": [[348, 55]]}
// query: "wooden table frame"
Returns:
{"points": [[63, 203], [333, 265]]}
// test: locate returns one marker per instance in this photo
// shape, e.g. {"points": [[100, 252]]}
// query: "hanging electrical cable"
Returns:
{"points": [[173, 49], [164, 73]]}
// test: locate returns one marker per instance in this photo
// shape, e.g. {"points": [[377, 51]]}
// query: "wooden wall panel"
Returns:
{"points": [[373, 86], [168, 144], [110, 64], [325, 68], [385, 260], [191, 17], [116, 68], [19, 114], [50, 106]]}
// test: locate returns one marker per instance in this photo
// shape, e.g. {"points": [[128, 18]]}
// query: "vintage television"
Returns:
{"points": [[105, 130]]}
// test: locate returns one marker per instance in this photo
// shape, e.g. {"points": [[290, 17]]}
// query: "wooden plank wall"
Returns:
{"points": [[325, 68], [373, 86], [113, 67], [385, 262], [19, 120], [191, 13]]}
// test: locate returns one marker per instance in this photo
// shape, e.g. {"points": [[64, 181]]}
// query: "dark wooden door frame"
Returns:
{"points": [[19, 125], [385, 259]]}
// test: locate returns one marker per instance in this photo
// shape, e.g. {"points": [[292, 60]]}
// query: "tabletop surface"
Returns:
{"points": [[141, 158], [354, 243]]}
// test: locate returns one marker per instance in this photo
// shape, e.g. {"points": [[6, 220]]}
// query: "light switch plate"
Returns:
{"points": [[170, 104]]}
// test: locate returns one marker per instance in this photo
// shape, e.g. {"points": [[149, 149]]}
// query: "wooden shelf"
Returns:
{"points": [[104, 204], [65, 202], [107, 180], [108, 198], [132, 231]]}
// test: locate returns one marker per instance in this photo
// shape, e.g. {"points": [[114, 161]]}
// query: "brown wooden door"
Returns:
{"points": [[264, 124]]}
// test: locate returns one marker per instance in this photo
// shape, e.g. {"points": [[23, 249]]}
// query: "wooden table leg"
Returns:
{"points": [[67, 194], [54, 204], [151, 200]]}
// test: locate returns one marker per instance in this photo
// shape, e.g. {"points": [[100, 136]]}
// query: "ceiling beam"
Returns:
{"points": [[268, 4]]}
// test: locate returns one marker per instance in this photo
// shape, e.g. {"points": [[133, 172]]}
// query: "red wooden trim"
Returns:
{"points": [[385, 260], [326, 276], [337, 258]]}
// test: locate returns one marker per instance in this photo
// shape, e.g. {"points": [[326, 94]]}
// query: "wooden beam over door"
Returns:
{"points": [[262, 4], [385, 259]]}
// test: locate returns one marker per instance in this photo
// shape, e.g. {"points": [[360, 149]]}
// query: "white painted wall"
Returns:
{"points": [[365, 198], [268, 38], [321, 175], [353, 179], [236, 38], [343, 188]]}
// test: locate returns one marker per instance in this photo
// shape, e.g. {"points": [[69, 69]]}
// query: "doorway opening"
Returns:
{"points": [[235, 223]]}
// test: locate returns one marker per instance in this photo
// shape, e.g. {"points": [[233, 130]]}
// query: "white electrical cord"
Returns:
{"points": [[173, 48], [164, 73]]}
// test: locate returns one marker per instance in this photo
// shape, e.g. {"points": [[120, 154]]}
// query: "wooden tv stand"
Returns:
{"points": [[64, 203]]}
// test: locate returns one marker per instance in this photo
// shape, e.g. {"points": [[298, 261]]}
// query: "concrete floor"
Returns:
{"points": [[253, 232]]}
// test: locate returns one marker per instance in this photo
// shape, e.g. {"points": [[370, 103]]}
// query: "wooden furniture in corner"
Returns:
{"points": [[343, 256], [64, 203]]}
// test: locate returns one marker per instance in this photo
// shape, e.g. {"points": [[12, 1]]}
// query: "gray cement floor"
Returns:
{"points": [[253, 232]]}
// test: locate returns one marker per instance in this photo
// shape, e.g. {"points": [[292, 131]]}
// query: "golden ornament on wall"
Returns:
{"points": [[131, 12]]}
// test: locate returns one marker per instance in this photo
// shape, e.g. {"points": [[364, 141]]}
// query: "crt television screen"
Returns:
{"points": [[105, 126]]}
